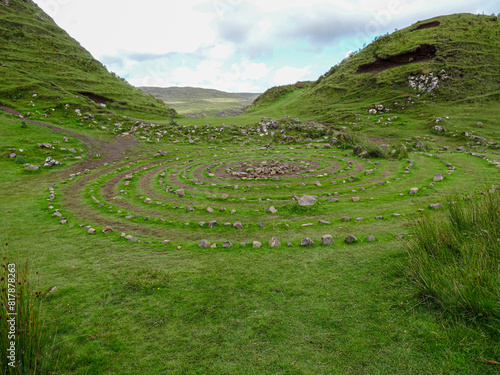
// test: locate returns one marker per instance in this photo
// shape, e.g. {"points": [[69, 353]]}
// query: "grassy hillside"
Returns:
{"points": [[37, 57], [460, 50], [203, 103], [180, 247]]}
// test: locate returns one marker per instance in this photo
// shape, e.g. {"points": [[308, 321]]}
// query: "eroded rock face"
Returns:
{"points": [[427, 83]]}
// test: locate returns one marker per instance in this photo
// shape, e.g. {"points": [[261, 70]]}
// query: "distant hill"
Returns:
{"points": [[37, 56], [459, 52], [199, 102]]}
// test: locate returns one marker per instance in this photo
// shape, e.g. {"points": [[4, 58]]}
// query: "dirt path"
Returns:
{"points": [[110, 152]]}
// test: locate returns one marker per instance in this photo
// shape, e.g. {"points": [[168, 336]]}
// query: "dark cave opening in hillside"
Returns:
{"points": [[428, 25], [424, 52], [96, 98]]}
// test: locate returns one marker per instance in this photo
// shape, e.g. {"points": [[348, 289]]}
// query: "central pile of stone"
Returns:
{"points": [[266, 169]]}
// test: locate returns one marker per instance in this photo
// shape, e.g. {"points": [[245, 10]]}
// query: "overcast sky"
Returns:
{"points": [[236, 45]]}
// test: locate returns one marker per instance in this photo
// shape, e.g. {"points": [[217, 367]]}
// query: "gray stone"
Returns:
{"points": [[272, 210], [327, 239], [324, 222], [346, 218], [148, 200], [371, 238], [212, 224], [438, 177], [227, 244], [238, 225], [180, 193], [203, 244], [210, 210], [350, 239], [413, 191], [190, 208], [32, 167], [256, 244], [356, 199], [107, 230], [307, 242], [307, 200], [273, 242], [436, 206], [261, 224]]}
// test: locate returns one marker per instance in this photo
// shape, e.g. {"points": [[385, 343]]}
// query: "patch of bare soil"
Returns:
{"points": [[110, 152], [428, 25], [96, 98], [424, 52]]}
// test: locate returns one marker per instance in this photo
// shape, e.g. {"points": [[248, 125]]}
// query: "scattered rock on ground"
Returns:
{"points": [[350, 239], [327, 239], [307, 242], [307, 200]]}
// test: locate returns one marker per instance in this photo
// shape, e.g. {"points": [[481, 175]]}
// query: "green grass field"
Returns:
{"points": [[145, 298], [202, 103]]}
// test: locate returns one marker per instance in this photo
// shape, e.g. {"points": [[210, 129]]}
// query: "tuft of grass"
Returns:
{"points": [[146, 280], [454, 260], [351, 139], [20, 308]]}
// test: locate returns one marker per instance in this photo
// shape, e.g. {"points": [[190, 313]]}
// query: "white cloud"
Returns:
{"points": [[288, 74], [234, 45], [254, 71], [221, 51]]}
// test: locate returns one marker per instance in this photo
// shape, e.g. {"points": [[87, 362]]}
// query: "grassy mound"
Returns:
{"points": [[32, 51], [459, 50]]}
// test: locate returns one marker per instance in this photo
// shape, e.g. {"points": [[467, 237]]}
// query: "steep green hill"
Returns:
{"points": [[451, 57], [199, 102], [38, 57]]}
